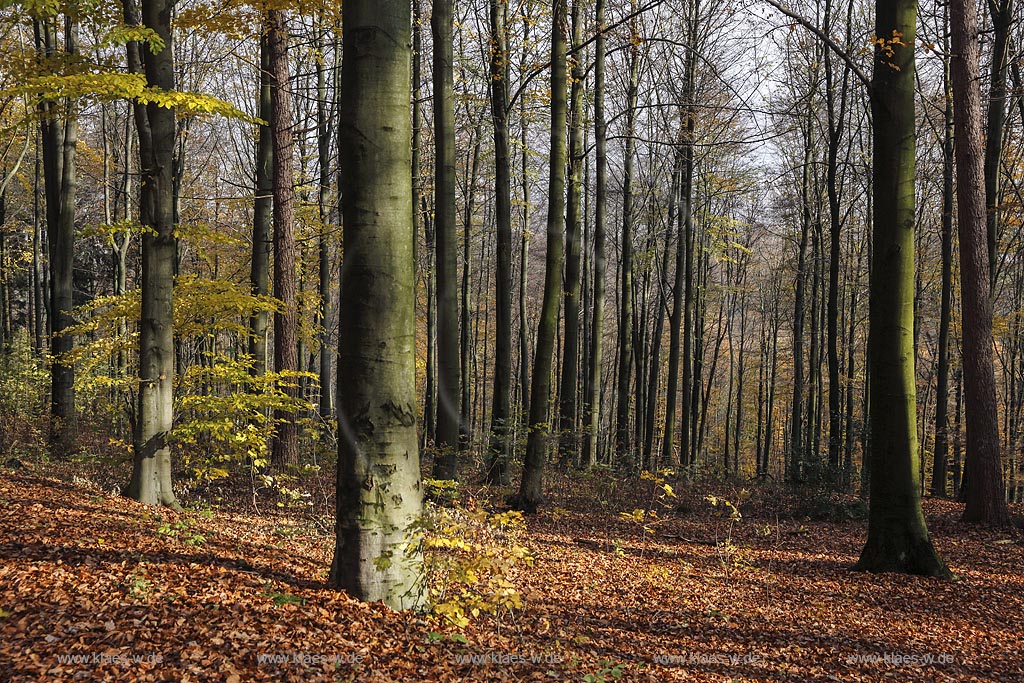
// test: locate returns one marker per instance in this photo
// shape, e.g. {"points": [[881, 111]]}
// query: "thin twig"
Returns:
{"points": [[831, 44]]}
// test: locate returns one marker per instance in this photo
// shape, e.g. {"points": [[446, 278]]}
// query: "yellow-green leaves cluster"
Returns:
{"points": [[472, 558], [225, 412], [108, 86]]}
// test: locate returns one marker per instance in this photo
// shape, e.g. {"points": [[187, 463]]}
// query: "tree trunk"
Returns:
{"points": [[592, 402], [567, 422], [851, 338], [38, 298], [151, 469], [530, 490], [501, 399], [983, 473], [623, 446], [378, 489], [898, 538], [465, 351], [286, 441], [939, 464], [772, 376], [836, 124], [5, 290], [741, 362], [449, 404], [684, 219], [60, 138], [689, 331], [794, 470], [649, 461], [323, 126], [812, 438], [695, 380], [1001, 12], [259, 274], [423, 221]]}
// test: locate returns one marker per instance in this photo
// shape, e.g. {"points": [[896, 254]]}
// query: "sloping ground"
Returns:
{"points": [[95, 587]]}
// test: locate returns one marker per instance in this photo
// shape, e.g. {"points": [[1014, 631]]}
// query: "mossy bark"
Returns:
{"points": [[898, 539], [379, 499]]}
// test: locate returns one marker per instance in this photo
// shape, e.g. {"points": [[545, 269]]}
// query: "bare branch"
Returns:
{"points": [[572, 51], [831, 44]]}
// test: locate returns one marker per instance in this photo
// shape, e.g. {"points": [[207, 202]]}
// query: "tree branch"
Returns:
{"points": [[831, 44], [572, 51]]}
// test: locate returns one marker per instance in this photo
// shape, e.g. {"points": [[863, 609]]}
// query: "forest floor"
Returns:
{"points": [[96, 587]]}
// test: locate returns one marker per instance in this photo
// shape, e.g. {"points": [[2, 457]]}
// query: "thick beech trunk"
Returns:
{"points": [[151, 470], [898, 538], [378, 489]]}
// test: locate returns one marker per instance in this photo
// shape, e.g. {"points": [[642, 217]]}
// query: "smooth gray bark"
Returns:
{"points": [[377, 554]]}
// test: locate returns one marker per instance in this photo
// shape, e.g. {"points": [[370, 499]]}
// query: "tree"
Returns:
{"points": [[797, 448], [59, 134], [323, 126], [449, 402], [501, 406], [836, 118], [592, 399], [151, 468], [285, 446], [567, 422], [983, 474], [623, 447], [898, 537], [940, 469], [684, 243], [378, 484], [1001, 12], [531, 486], [262, 214]]}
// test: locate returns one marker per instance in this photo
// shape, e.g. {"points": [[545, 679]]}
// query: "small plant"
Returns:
{"points": [[826, 506], [138, 584], [608, 672], [196, 540], [730, 556], [443, 492], [281, 599], [225, 413], [660, 497], [436, 637], [201, 509], [181, 528], [602, 482], [287, 532], [557, 513], [471, 559]]}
